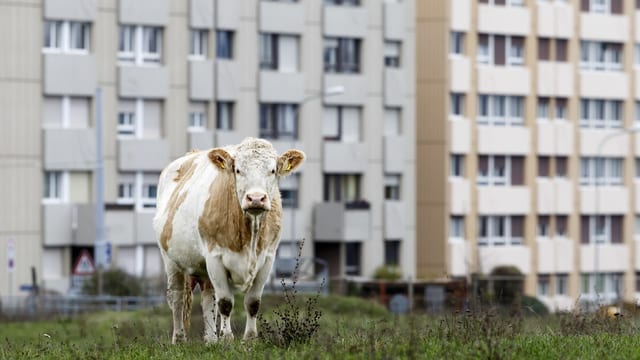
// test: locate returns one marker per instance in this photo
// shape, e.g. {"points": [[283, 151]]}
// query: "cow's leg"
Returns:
{"points": [[224, 296], [252, 299], [176, 298], [209, 311]]}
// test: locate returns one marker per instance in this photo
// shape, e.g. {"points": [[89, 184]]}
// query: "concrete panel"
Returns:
{"points": [[344, 158], [281, 17], [554, 138], [151, 82], [394, 154], [611, 258], [460, 15], [555, 79], [224, 138], [545, 138], [85, 225], [459, 73], [394, 23], [503, 80], [355, 89], [460, 196], [564, 20], [460, 130], [144, 228], [357, 225], [604, 27], [293, 224], [508, 20], [69, 74], [459, 258], [515, 140], [82, 10], [394, 89], [494, 256], [227, 80], [555, 20], [200, 140], [119, 227], [328, 221], [227, 14], [554, 196], [545, 192], [612, 200], [564, 196], [394, 214], [590, 140], [201, 14], [143, 154], [503, 200], [279, 87], [144, 12], [604, 84], [69, 149], [563, 137], [555, 256], [345, 21], [56, 222], [201, 79]]}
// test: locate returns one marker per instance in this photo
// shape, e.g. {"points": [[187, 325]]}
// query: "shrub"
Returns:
{"points": [[532, 306], [115, 282], [507, 288], [388, 272]]}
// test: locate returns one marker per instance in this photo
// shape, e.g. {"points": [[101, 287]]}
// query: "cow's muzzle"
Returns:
{"points": [[256, 203]]}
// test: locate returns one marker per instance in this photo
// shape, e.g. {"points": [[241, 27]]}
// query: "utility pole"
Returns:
{"points": [[99, 251]]}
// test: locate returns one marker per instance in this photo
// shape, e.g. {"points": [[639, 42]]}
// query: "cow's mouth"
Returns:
{"points": [[255, 210]]}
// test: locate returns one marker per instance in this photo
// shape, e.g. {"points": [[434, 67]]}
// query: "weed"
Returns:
{"points": [[294, 322]]}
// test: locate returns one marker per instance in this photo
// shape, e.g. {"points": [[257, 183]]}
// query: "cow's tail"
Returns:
{"points": [[188, 299]]}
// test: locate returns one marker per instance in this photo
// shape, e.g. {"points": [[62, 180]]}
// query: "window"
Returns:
{"points": [[562, 284], [501, 230], [561, 226], [66, 36], [139, 118], [602, 6], [636, 55], [392, 252], [392, 187], [278, 52], [140, 44], [500, 170], [600, 113], [606, 171], [126, 188], [457, 165], [543, 285], [596, 55], [457, 104], [149, 190], [198, 44], [279, 121], [542, 229], [561, 109], [345, 188], [197, 116], [126, 123], [456, 227], [138, 188], [353, 250], [392, 121], [503, 2], [561, 166], [605, 287], [500, 50], [56, 185], [636, 231], [341, 55], [543, 49], [224, 44], [457, 43], [289, 186], [543, 108], [500, 110], [341, 123], [561, 50], [392, 54], [605, 229], [224, 115], [637, 168], [544, 166], [65, 112], [343, 2]]}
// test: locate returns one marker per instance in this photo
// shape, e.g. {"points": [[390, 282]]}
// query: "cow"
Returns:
{"points": [[217, 223]]}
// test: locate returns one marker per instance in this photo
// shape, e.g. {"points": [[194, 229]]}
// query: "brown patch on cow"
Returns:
{"points": [[185, 172], [225, 306], [224, 224], [254, 306], [289, 161]]}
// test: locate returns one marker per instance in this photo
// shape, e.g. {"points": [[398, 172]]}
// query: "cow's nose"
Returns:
{"points": [[257, 199]]}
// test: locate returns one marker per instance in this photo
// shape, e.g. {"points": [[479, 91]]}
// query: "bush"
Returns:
{"points": [[532, 306], [388, 272], [507, 291], [115, 282]]}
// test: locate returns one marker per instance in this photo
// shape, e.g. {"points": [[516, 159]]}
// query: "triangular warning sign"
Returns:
{"points": [[84, 264]]}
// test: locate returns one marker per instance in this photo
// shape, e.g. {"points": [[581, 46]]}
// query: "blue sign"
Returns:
{"points": [[26, 287], [102, 254]]}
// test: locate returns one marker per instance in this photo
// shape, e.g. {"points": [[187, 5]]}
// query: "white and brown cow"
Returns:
{"points": [[218, 224]]}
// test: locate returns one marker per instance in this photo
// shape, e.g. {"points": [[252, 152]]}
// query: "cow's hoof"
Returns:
{"points": [[227, 336], [179, 338], [249, 336], [210, 339]]}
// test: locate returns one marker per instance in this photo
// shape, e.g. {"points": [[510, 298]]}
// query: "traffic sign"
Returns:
{"points": [[84, 264], [11, 255]]}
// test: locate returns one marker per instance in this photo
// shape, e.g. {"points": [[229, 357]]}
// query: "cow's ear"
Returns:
{"points": [[221, 158], [289, 161]]}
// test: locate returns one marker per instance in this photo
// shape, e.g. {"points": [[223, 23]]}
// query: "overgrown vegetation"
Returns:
{"points": [[388, 272], [115, 282]]}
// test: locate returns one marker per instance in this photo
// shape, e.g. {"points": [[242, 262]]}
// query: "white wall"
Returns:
{"points": [[604, 27], [503, 80], [604, 84], [503, 200], [509, 20], [513, 140], [611, 258], [612, 200]]}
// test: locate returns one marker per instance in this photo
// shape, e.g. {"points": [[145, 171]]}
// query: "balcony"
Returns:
{"points": [[590, 139], [81, 10], [459, 258], [555, 79], [272, 90], [143, 154], [604, 27], [555, 196], [394, 154], [342, 222], [69, 74], [604, 84], [513, 80], [555, 20], [345, 21], [504, 200], [344, 158], [394, 88], [509, 20], [460, 196], [393, 17], [227, 79], [555, 256], [201, 80], [611, 258], [612, 199], [460, 130], [494, 256], [150, 82], [67, 224], [144, 12], [69, 149], [355, 89], [224, 138], [228, 14], [281, 17], [200, 140], [514, 140], [293, 224], [555, 138], [394, 215], [201, 13], [459, 73], [460, 15]]}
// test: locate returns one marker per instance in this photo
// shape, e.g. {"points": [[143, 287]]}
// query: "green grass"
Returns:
{"points": [[349, 329]]}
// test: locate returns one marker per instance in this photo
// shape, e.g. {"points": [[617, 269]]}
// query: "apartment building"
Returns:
{"points": [[528, 108], [333, 78]]}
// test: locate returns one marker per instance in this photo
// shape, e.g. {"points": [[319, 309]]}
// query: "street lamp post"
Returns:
{"points": [[600, 161]]}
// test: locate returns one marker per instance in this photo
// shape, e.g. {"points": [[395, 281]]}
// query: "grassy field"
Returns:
{"points": [[349, 329]]}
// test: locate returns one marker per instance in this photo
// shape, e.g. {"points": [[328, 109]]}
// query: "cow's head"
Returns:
{"points": [[256, 167]]}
